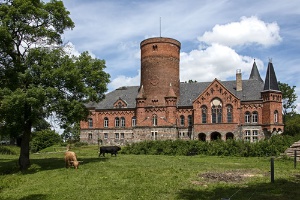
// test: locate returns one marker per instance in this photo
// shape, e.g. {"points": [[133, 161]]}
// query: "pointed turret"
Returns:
{"points": [[141, 94], [255, 73], [171, 92], [271, 80]]}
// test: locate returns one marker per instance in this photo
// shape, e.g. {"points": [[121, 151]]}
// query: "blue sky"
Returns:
{"points": [[217, 37]]}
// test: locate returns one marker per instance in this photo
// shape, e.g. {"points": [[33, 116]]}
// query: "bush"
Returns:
{"points": [[43, 139], [271, 147], [80, 144]]}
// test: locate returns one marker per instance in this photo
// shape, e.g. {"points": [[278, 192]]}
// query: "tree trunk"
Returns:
{"points": [[24, 161]]}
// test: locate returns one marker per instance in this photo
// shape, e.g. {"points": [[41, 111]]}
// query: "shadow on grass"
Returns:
{"points": [[35, 196], [29, 197], [281, 189], [41, 164]]}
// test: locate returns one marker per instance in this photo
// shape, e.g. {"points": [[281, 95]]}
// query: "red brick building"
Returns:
{"points": [[162, 107]]}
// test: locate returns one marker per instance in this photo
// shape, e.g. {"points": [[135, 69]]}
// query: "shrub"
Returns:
{"points": [[271, 147], [80, 144], [43, 139]]}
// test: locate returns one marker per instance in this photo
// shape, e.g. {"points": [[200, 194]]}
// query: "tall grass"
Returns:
{"points": [[145, 177]]}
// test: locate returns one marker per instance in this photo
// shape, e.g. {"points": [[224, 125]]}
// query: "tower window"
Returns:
{"points": [[276, 116], [154, 120]]}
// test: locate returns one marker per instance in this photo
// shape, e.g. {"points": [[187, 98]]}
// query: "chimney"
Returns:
{"points": [[239, 86]]}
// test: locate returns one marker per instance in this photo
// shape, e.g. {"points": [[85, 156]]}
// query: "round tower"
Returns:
{"points": [[159, 69]]}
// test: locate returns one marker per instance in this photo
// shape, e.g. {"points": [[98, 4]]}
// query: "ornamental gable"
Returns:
{"points": [[120, 104], [215, 90]]}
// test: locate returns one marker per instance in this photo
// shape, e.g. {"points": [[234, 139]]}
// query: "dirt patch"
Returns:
{"points": [[228, 176]]}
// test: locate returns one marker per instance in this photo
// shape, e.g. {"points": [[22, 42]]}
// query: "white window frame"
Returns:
{"points": [[154, 135], [122, 121], [254, 117], [276, 116], [117, 122], [251, 135], [154, 120], [105, 122], [247, 117], [133, 121]]}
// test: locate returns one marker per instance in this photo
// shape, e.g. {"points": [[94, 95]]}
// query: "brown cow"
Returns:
{"points": [[71, 159]]}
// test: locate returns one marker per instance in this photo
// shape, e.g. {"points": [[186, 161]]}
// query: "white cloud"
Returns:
{"points": [[71, 50], [248, 31], [216, 61], [124, 81]]}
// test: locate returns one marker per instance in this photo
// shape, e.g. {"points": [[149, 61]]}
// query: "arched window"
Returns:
{"points": [[154, 120], [190, 120], [247, 117], [204, 114], [229, 113], [181, 120], [254, 117], [276, 116], [117, 122], [105, 122], [133, 121], [216, 111], [122, 122], [90, 123]]}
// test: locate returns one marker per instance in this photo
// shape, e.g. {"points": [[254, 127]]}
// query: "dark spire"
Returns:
{"points": [[271, 80], [255, 73]]}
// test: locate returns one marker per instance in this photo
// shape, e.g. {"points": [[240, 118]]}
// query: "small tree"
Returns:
{"points": [[289, 97], [71, 133]]}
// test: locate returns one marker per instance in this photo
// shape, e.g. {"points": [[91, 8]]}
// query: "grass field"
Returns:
{"points": [[147, 177]]}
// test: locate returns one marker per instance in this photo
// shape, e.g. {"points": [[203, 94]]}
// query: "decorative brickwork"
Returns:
{"points": [[162, 108]]}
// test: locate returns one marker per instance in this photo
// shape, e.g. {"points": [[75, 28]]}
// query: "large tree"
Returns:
{"points": [[37, 77]]}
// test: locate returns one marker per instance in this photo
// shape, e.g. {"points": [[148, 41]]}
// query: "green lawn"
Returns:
{"points": [[147, 177]]}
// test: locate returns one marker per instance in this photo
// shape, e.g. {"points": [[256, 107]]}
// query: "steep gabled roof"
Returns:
{"points": [[255, 73], [250, 92], [126, 93], [271, 80], [252, 89]]}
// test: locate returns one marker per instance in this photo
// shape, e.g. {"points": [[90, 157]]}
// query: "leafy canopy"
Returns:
{"points": [[37, 77], [289, 97]]}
